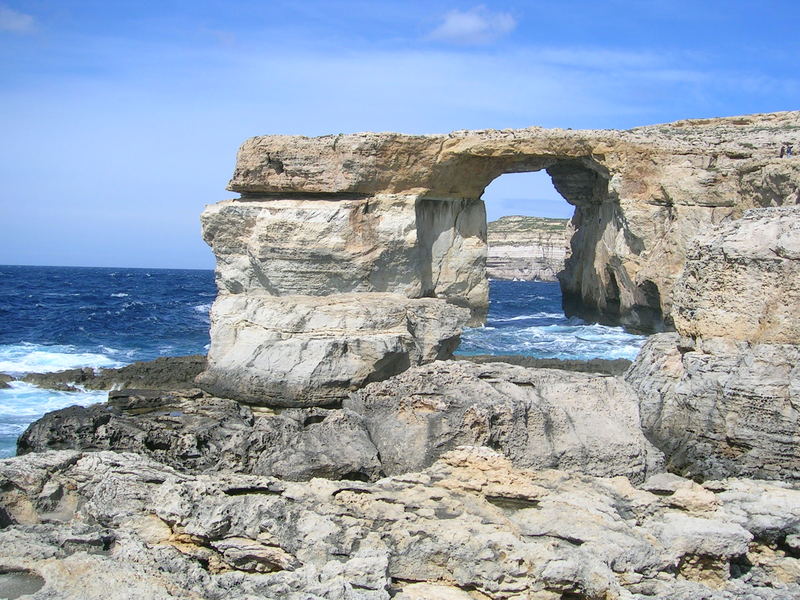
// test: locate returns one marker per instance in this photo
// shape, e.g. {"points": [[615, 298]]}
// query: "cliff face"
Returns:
{"points": [[640, 195], [721, 396], [527, 248], [340, 217]]}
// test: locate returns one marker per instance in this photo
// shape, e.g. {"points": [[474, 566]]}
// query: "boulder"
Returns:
{"points": [[539, 418], [195, 433], [4, 380], [314, 350], [719, 407], [110, 526]]}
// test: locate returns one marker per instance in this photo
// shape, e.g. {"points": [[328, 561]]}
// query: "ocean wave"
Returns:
{"points": [[120, 295], [538, 315], [38, 358], [24, 401], [561, 340], [203, 308]]}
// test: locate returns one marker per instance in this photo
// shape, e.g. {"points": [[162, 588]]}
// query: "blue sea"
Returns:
{"points": [[55, 318]]}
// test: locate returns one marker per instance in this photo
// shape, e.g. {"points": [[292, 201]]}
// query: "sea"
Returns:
{"points": [[56, 318]]}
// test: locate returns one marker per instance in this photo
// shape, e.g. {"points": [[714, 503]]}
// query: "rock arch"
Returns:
{"points": [[348, 258]]}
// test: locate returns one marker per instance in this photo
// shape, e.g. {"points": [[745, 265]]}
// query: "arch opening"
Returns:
{"points": [[536, 222]]}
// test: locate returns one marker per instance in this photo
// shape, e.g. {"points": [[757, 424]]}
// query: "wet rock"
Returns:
{"points": [[165, 373], [4, 380], [603, 366], [193, 432], [539, 418]]}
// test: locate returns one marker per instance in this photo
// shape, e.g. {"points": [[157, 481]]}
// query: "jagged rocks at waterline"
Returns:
{"points": [[114, 525], [539, 418], [163, 373], [193, 433]]}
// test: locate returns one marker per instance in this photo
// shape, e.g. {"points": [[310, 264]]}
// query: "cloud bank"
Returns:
{"points": [[473, 27], [15, 22]]}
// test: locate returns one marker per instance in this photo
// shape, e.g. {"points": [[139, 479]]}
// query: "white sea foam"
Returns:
{"points": [[23, 403], [566, 340], [24, 400], [538, 315], [203, 308], [39, 358], [120, 295]]}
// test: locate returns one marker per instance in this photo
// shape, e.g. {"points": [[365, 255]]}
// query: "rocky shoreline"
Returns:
{"points": [[329, 448]]}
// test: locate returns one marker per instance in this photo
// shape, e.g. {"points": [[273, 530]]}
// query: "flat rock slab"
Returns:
{"points": [[111, 526]]}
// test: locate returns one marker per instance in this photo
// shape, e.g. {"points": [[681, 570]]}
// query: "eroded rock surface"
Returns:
{"points": [[193, 433], [164, 373], [401, 215], [640, 195], [722, 396], [742, 280], [312, 350], [107, 525], [539, 418]]}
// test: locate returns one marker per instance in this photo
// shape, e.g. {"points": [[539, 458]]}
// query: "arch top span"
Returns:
{"points": [[457, 165], [350, 257]]}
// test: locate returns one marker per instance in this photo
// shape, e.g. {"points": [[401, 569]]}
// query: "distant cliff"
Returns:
{"points": [[529, 248]]}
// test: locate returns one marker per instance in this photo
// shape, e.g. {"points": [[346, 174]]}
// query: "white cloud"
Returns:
{"points": [[16, 22], [475, 26]]}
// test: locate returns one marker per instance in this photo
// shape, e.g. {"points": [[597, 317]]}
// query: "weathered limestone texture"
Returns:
{"points": [[312, 350], [397, 214], [116, 526], [539, 418], [721, 396], [742, 280], [527, 248], [194, 433], [640, 195]]}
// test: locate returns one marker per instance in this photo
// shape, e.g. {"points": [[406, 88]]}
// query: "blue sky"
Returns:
{"points": [[120, 120]]}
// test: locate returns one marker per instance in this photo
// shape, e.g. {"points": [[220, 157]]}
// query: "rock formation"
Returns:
{"points": [[114, 525], [348, 266], [722, 395], [163, 373], [539, 418], [527, 248], [322, 222]]}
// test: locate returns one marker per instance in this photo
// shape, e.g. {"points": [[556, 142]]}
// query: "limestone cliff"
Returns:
{"points": [[527, 248], [322, 221], [722, 395]]}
